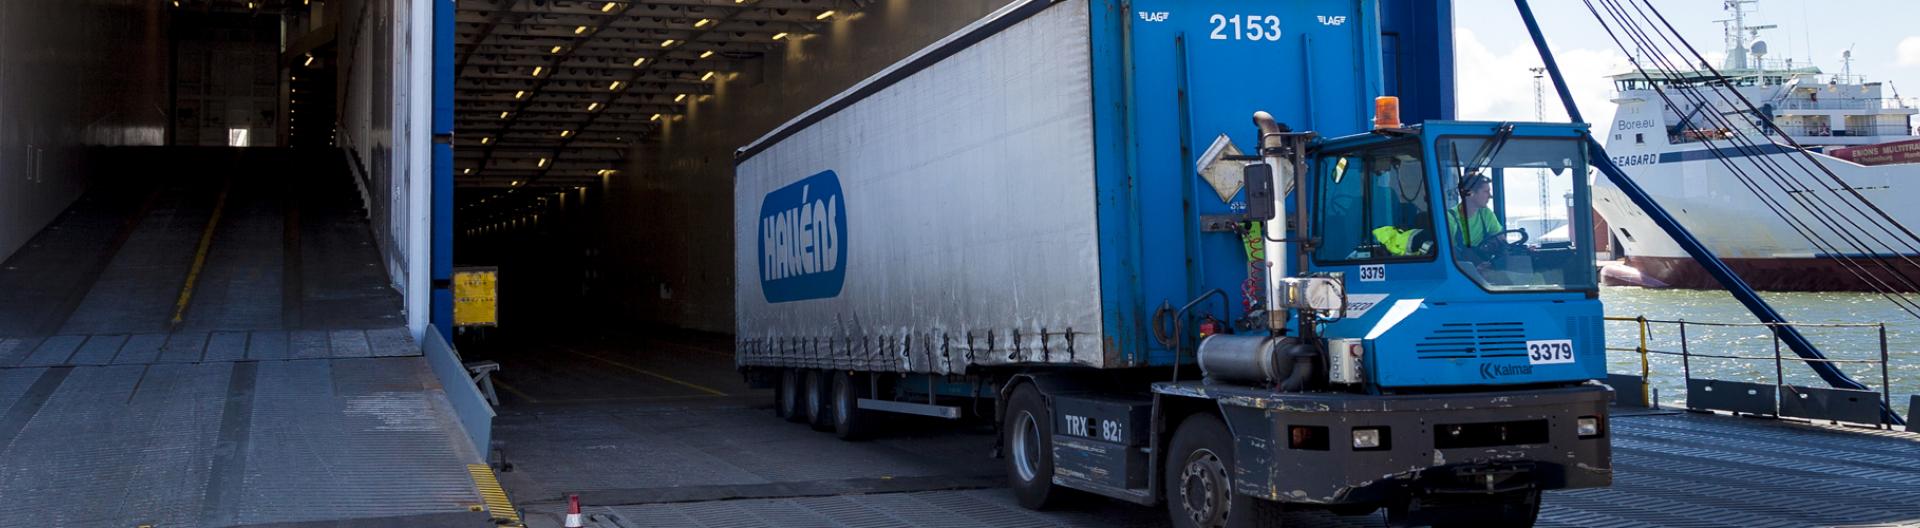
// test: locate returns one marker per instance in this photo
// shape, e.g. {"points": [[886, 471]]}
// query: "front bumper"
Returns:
{"points": [[1434, 445]]}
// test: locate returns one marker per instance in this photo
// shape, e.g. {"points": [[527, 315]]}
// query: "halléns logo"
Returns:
{"points": [[803, 240]]}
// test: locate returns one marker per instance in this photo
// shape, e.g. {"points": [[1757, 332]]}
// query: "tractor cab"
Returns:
{"points": [[1465, 250]]}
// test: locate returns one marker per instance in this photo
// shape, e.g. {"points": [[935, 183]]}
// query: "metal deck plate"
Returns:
{"points": [[1671, 470], [225, 443]]}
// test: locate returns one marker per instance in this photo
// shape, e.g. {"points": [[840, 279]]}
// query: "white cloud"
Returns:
{"points": [[1494, 85], [1908, 51]]}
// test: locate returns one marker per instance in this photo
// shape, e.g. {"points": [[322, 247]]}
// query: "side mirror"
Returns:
{"points": [[1258, 181]]}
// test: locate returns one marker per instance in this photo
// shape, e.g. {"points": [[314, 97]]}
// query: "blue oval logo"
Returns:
{"points": [[803, 240]]}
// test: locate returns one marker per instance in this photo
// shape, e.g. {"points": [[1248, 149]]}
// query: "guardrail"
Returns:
{"points": [[1778, 399]]}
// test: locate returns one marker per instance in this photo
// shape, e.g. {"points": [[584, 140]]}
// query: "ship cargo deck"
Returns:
{"points": [[210, 343]]}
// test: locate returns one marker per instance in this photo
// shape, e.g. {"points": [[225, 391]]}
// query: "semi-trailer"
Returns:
{"points": [[1183, 252]]}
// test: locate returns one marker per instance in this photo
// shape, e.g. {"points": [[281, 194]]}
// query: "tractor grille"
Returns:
{"points": [[1474, 340]]}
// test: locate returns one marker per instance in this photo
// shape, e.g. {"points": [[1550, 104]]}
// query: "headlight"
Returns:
{"points": [[1587, 427], [1369, 438]]}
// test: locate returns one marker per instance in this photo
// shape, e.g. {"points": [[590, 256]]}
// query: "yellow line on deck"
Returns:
{"points": [[694, 386], [516, 392], [200, 255]]}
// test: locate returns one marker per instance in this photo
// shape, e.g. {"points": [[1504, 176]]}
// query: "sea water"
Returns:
{"points": [[1715, 306]]}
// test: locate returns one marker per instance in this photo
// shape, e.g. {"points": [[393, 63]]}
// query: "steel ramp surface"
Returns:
{"points": [[230, 429]]}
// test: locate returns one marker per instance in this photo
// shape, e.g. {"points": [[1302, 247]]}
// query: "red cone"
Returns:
{"points": [[573, 512]]}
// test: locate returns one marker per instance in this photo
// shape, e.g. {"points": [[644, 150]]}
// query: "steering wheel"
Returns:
{"points": [[1497, 244]]}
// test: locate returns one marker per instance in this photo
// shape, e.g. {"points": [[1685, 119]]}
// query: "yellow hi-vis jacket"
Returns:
{"points": [[1471, 230], [1397, 241]]}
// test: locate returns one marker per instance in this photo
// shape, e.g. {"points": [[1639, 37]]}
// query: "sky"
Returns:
{"points": [[1493, 51]]}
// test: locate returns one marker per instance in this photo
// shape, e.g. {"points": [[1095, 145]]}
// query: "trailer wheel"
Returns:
{"points": [[1029, 431], [819, 411], [849, 422], [1199, 484], [788, 397]]}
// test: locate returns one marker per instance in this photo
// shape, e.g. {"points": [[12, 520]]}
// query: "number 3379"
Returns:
{"points": [[1550, 351], [1249, 27]]}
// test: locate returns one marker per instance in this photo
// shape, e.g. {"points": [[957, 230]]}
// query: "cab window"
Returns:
{"points": [[1516, 211], [1374, 205]]}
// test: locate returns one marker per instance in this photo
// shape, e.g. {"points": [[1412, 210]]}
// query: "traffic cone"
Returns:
{"points": [[573, 512]]}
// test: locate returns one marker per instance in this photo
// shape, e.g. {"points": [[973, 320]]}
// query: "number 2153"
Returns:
{"points": [[1250, 27]]}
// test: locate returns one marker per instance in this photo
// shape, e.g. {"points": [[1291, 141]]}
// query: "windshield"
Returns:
{"points": [[1517, 213]]}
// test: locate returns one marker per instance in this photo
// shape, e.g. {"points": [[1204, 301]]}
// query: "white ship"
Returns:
{"points": [[1859, 130]]}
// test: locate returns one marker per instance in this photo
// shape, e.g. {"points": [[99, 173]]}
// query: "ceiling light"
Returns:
{"points": [[309, 61], [566, 133], [522, 94], [705, 54], [703, 22], [556, 50], [707, 77], [583, 29], [679, 98], [824, 15], [636, 62], [778, 36], [594, 106], [516, 183], [668, 43], [486, 140], [538, 69], [544, 161], [614, 86], [656, 117], [607, 8], [468, 171], [503, 115]]}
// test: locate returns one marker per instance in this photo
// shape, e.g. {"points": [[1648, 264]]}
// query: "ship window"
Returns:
{"points": [[1639, 139], [1624, 234]]}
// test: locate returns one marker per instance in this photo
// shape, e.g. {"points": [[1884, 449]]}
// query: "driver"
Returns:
{"points": [[1473, 221]]}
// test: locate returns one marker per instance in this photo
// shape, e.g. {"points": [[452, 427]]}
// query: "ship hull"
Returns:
{"points": [[1774, 274], [1798, 251]]}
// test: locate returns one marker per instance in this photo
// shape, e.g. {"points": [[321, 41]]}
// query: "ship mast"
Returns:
{"points": [[1737, 32]]}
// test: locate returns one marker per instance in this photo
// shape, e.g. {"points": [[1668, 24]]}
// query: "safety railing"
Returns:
{"points": [[1779, 398], [1841, 103]]}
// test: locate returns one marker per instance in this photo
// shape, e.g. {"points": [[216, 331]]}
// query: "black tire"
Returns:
{"points": [[1199, 480], [788, 399], [1027, 434], [818, 392], [849, 422]]}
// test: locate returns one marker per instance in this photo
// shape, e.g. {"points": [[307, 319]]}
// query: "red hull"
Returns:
{"points": [[1799, 274]]}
